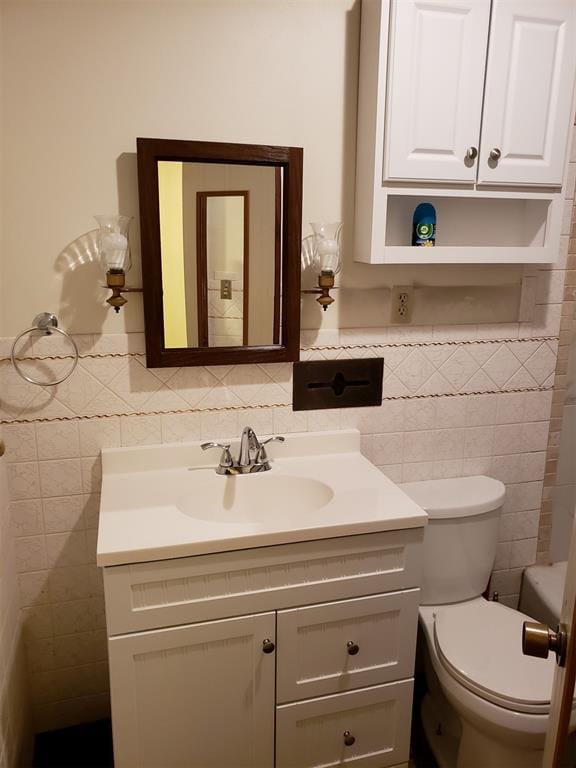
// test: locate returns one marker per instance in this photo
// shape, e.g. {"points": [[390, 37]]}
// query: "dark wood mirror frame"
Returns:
{"points": [[289, 159]]}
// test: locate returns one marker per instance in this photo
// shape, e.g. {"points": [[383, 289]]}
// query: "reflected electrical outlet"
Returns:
{"points": [[226, 289]]}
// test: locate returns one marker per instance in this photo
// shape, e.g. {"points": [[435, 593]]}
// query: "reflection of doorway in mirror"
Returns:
{"points": [[223, 222], [227, 263]]}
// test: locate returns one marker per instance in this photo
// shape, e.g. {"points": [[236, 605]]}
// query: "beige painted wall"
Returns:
{"points": [[84, 78]]}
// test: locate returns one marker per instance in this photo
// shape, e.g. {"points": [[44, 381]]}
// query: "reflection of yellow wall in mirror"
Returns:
{"points": [[172, 244]]}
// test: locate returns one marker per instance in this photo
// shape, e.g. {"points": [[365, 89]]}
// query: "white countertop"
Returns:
{"points": [[166, 501]]}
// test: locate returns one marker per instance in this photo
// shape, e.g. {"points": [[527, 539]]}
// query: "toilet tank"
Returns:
{"points": [[461, 535]]}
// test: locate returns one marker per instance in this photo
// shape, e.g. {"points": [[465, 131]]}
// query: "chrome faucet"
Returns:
{"points": [[248, 444], [252, 456]]}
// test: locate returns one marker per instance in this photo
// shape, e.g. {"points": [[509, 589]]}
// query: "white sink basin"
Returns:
{"points": [[250, 499], [166, 501]]}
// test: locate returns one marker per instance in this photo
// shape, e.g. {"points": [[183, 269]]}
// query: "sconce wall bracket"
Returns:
{"points": [[325, 284], [116, 281]]}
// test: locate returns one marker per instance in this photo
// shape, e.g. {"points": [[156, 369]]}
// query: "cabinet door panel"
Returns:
{"points": [[200, 695], [529, 92], [435, 87], [310, 734], [313, 654]]}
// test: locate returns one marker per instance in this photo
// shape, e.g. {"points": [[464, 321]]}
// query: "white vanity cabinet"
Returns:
{"points": [[468, 105], [297, 655]]}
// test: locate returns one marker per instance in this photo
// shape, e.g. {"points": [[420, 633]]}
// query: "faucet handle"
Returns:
{"points": [[226, 457], [262, 456]]}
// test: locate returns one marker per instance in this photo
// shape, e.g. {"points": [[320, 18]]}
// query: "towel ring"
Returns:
{"points": [[48, 323]]}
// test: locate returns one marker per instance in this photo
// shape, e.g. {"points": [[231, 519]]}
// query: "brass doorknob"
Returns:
{"points": [[348, 738], [471, 153], [538, 640], [268, 646], [495, 154]]}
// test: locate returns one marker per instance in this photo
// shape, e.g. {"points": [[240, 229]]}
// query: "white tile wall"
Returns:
{"points": [[54, 467], [15, 733]]}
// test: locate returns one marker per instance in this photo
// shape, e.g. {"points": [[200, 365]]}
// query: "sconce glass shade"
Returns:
{"points": [[327, 246], [113, 242]]}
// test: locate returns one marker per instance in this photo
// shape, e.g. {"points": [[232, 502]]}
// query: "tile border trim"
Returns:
{"points": [[320, 348], [254, 407]]}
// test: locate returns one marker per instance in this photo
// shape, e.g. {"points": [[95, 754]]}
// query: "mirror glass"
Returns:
{"points": [[221, 253]]}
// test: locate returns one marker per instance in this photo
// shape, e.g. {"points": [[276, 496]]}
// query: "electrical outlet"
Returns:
{"points": [[225, 289], [402, 298]]}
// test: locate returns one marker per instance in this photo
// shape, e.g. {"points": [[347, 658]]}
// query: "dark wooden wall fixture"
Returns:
{"points": [[289, 161], [337, 383]]}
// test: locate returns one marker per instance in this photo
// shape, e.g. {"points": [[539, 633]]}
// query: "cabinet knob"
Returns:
{"points": [[472, 153], [349, 739], [495, 154], [268, 646], [352, 647]]}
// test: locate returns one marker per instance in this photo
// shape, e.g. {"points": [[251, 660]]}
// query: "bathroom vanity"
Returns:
{"points": [[260, 620]]}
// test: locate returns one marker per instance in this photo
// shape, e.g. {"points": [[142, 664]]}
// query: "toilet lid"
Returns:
{"points": [[480, 644]]}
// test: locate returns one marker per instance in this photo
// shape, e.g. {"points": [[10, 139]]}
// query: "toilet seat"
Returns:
{"points": [[479, 643]]}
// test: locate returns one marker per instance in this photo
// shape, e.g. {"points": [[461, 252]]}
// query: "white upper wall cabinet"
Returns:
{"points": [[528, 102], [435, 86], [447, 58], [467, 105]]}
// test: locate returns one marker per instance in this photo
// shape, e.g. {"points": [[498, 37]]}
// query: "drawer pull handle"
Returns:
{"points": [[268, 646], [349, 739], [353, 648]]}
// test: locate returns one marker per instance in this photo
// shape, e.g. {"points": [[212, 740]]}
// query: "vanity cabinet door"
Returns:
{"points": [[437, 61], [350, 644], [199, 695], [529, 92]]}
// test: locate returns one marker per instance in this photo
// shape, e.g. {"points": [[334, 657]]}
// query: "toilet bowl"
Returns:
{"points": [[486, 704]]}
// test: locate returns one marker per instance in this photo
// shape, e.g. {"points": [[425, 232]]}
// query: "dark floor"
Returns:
{"points": [[420, 753], [83, 746], [90, 746]]}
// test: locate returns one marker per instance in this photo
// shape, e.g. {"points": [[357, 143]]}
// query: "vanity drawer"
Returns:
{"points": [[311, 733], [185, 590], [350, 644]]}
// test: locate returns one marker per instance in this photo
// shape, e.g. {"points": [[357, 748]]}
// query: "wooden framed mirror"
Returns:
{"points": [[221, 234]]}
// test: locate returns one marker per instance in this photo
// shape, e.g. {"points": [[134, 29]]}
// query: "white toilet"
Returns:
{"points": [[487, 704]]}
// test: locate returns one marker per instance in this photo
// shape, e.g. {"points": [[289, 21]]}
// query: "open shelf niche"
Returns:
{"points": [[489, 229]]}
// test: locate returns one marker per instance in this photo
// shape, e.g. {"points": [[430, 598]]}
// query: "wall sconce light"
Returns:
{"points": [[321, 255], [115, 255]]}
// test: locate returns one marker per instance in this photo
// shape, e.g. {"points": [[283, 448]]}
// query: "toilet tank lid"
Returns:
{"points": [[457, 496]]}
